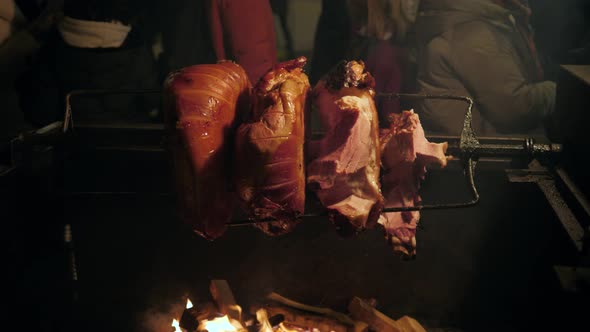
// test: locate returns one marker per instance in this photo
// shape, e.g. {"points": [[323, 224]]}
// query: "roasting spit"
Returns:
{"points": [[466, 149]]}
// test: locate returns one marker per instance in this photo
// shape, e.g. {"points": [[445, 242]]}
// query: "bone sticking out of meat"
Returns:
{"points": [[201, 104], [270, 175], [345, 163], [405, 155]]}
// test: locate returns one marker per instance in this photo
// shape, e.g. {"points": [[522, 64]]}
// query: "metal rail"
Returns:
{"points": [[68, 118]]}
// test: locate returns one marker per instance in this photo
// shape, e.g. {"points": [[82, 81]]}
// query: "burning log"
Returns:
{"points": [[312, 318], [363, 311], [340, 317], [257, 324], [307, 321], [223, 296], [378, 321], [192, 316], [189, 320], [409, 324], [276, 320], [266, 324]]}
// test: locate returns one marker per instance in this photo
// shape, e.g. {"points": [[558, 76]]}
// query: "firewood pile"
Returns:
{"points": [[276, 313]]}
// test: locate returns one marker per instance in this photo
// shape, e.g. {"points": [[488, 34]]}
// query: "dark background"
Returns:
{"points": [[488, 267]]}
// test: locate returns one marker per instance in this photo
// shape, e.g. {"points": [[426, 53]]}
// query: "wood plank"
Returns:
{"points": [[362, 311], [224, 297], [409, 324], [306, 320], [344, 319]]}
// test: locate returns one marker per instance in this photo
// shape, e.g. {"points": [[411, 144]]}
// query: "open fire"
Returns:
{"points": [[220, 324], [176, 325], [279, 314], [190, 321], [226, 324]]}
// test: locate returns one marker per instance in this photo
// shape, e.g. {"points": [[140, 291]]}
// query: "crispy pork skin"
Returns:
{"points": [[345, 163], [270, 174], [201, 103], [405, 155]]}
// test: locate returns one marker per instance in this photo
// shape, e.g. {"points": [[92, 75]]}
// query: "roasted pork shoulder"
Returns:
{"points": [[270, 174], [405, 155], [345, 164], [201, 103]]}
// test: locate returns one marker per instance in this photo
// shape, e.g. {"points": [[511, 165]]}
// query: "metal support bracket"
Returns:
{"points": [[540, 175]]}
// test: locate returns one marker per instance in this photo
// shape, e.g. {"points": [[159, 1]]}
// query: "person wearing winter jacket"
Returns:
{"points": [[374, 31], [196, 32], [482, 49], [98, 44]]}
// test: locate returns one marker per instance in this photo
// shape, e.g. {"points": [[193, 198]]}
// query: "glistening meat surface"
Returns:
{"points": [[201, 103], [270, 175], [406, 153], [345, 164]]}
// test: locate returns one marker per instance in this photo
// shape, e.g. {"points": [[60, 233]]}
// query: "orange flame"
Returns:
{"points": [[189, 304], [220, 324], [176, 325], [262, 318]]}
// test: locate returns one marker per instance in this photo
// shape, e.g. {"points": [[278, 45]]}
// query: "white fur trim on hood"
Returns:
{"points": [[93, 34]]}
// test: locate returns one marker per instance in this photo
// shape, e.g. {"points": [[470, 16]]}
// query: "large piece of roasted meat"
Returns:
{"points": [[201, 104], [345, 163], [270, 175], [405, 155]]}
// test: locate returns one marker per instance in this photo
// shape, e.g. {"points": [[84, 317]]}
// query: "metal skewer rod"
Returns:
{"points": [[467, 147]]}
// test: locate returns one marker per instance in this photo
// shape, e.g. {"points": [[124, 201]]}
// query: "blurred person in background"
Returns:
{"points": [[97, 44], [374, 31], [281, 9], [562, 33], [380, 38], [194, 32], [331, 40], [25, 25], [7, 12], [134, 44], [483, 49]]}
